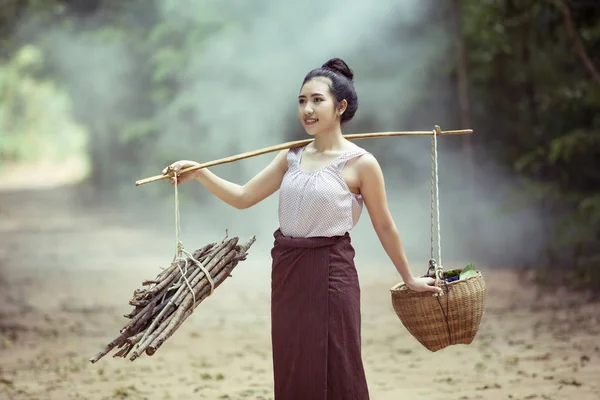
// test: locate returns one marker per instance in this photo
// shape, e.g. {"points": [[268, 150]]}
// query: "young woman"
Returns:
{"points": [[315, 297]]}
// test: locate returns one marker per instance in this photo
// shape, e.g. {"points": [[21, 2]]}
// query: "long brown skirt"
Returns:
{"points": [[316, 322]]}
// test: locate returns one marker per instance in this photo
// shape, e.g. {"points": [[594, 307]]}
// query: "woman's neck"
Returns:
{"points": [[328, 141]]}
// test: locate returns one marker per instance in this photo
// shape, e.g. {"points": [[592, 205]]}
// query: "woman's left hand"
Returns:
{"points": [[423, 284]]}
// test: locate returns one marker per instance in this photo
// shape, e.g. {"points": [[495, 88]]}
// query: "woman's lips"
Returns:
{"points": [[310, 121]]}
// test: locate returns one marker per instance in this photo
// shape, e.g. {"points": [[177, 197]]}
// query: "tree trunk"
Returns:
{"points": [[466, 120], [530, 88], [464, 101], [579, 49]]}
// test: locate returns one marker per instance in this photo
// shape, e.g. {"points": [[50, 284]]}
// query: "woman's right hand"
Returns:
{"points": [[179, 166]]}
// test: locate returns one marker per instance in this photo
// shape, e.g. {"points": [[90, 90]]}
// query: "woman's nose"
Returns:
{"points": [[308, 110]]}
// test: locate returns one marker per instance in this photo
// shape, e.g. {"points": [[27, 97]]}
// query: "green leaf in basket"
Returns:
{"points": [[450, 273], [469, 267], [468, 274]]}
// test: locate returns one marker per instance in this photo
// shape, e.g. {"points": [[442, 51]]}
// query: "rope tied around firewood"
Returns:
{"points": [[173, 295], [180, 249]]}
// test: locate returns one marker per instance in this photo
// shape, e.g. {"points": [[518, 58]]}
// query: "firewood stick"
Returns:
{"points": [[199, 253], [154, 343], [201, 283], [226, 271], [125, 349], [184, 303], [155, 305], [115, 342], [133, 340], [196, 254], [142, 326], [154, 318], [187, 311], [140, 292], [298, 143], [209, 266], [167, 273], [207, 263], [199, 274], [142, 317], [188, 300], [159, 329], [221, 250], [173, 324], [243, 249], [138, 303], [158, 290], [175, 272], [175, 301], [201, 280], [148, 338], [147, 310], [133, 312], [167, 280], [174, 268], [193, 279]]}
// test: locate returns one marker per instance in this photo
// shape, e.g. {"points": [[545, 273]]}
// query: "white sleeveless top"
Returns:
{"points": [[318, 203]]}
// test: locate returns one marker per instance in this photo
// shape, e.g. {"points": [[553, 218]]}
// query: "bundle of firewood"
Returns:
{"points": [[170, 298]]}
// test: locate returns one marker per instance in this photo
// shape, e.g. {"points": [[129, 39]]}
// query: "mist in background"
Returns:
{"points": [[237, 85]]}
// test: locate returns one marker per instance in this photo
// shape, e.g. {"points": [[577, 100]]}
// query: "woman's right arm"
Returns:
{"points": [[261, 186]]}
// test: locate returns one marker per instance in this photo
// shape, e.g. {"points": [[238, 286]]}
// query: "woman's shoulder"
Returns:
{"points": [[361, 157], [355, 149]]}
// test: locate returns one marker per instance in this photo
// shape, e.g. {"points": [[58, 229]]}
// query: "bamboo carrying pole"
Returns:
{"points": [[298, 143]]}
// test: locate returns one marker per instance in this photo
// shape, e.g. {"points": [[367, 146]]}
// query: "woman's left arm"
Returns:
{"points": [[372, 189]]}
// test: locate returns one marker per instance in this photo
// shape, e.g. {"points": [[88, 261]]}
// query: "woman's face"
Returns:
{"points": [[316, 107]]}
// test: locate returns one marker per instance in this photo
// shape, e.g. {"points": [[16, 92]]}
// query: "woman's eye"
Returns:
{"points": [[317, 100], [300, 101]]}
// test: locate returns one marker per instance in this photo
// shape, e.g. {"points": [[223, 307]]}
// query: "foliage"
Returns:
{"points": [[539, 105], [35, 115]]}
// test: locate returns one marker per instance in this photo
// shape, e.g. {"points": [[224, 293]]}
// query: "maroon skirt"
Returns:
{"points": [[315, 320]]}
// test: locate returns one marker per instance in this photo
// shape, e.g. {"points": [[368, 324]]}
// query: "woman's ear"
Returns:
{"points": [[342, 107]]}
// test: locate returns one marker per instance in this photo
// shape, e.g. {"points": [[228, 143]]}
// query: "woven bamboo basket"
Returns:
{"points": [[438, 321], [452, 316]]}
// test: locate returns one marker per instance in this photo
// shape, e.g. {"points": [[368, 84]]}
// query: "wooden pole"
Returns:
{"points": [[298, 143]]}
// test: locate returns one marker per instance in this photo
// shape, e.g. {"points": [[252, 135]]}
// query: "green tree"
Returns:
{"points": [[534, 82]]}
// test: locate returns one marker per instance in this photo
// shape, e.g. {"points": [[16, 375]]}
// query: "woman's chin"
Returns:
{"points": [[310, 130]]}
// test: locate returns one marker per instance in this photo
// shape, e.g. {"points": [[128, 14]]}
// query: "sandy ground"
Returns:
{"points": [[67, 276]]}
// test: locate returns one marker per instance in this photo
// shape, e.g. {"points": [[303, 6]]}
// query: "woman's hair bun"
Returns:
{"points": [[339, 66]]}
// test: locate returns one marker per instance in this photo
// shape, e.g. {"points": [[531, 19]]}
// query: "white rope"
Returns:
{"points": [[179, 245], [432, 255], [180, 249], [435, 204]]}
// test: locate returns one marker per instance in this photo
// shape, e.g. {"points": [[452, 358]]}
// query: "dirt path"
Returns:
{"points": [[67, 276]]}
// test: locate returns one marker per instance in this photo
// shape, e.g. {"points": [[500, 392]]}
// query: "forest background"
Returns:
{"points": [[113, 91]]}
